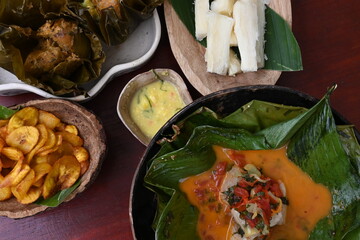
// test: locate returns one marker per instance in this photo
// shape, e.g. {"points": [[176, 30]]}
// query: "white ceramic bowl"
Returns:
{"points": [[128, 56]]}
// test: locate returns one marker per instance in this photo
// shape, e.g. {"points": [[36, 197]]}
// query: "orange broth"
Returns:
{"points": [[308, 201]]}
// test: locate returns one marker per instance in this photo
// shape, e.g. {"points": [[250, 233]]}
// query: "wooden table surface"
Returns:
{"points": [[328, 32]]}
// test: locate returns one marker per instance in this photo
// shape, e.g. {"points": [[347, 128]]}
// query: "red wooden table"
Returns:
{"points": [[328, 32]]}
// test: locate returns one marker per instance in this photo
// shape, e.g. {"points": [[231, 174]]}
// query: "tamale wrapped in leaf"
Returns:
{"points": [[114, 20], [30, 50], [55, 57], [32, 13]]}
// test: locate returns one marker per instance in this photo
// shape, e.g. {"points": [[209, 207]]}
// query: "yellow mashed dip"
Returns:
{"points": [[153, 105]]}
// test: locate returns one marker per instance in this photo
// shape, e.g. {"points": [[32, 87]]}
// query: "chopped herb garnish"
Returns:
{"points": [[284, 200], [241, 232], [231, 198], [259, 194], [249, 178], [260, 225], [274, 205], [160, 79]]}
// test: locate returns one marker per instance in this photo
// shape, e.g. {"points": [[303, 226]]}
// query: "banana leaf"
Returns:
{"points": [[58, 198], [6, 113], [17, 43], [113, 24], [327, 153], [32, 13], [281, 48]]}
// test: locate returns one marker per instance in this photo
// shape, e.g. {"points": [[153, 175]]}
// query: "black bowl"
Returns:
{"points": [[142, 201]]}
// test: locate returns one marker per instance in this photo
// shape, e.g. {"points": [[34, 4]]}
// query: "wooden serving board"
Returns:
{"points": [[190, 55]]}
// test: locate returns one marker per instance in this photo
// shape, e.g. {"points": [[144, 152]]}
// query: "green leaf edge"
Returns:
{"points": [[58, 198], [6, 113]]}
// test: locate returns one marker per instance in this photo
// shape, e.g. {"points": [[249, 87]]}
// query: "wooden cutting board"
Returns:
{"points": [[190, 55]]}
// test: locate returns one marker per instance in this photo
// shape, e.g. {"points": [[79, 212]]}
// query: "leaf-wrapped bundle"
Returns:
{"points": [[41, 60], [56, 56], [114, 20], [327, 153]]}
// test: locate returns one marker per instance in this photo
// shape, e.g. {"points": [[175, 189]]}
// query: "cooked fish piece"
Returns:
{"points": [[43, 60], [254, 200], [103, 4]]}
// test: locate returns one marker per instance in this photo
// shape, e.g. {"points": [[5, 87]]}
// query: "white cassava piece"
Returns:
{"points": [[224, 7], [218, 42], [247, 32], [201, 22]]}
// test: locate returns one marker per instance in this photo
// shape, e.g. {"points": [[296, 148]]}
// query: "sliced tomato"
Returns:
{"points": [[252, 222], [275, 189], [241, 192], [264, 204]]}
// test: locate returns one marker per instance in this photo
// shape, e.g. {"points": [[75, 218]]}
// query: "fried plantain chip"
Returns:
{"points": [[42, 140], [81, 154], [15, 175], [71, 129], [71, 138], [31, 196], [63, 175], [20, 190], [24, 138], [23, 172], [84, 167], [50, 186], [3, 132], [53, 157], [3, 122], [27, 116], [39, 159], [69, 171], [6, 162], [50, 142], [39, 183], [13, 153], [60, 127], [65, 149], [54, 148], [2, 143], [9, 178], [5, 192], [41, 170], [48, 119]]}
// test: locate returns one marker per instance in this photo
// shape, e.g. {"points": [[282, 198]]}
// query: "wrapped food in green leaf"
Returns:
{"points": [[114, 20], [56, 57], [327, 153], [32, 13]]}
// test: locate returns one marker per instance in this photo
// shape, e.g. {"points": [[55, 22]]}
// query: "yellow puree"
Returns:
{"points": [[308, 201], [153, 105]]}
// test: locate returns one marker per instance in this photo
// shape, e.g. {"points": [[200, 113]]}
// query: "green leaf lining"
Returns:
{"points": [[314, 145]]}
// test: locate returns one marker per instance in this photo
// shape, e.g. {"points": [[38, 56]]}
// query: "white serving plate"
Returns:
{"points": [[128, 56]]}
